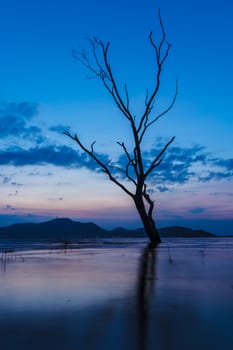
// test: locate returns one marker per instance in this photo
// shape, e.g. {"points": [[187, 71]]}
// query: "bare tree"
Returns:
{"points": [[135, 171]]}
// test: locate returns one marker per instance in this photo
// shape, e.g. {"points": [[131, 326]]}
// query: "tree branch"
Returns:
{"points": [[167, 109], [127, 97], [157, 161], [160, 59], [103, 71], [149, 201], [103, 166], [132, 161], [113, 82], [125, 172], [148, 124]]}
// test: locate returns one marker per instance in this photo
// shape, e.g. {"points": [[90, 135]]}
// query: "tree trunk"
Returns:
{"points": [[147, 220]]}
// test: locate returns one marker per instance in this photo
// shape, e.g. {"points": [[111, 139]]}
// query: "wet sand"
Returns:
{"points": [[119, 296]]}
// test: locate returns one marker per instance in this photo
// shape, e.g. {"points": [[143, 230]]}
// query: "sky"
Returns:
{"points": [[44, 91]]}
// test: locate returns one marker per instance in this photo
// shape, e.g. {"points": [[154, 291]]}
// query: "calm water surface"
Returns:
{"points": [[118, 296]]}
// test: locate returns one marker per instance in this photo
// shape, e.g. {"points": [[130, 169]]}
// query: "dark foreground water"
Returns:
{"points": [[118, 296]]}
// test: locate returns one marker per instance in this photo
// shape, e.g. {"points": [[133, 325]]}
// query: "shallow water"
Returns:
{"points": [[118, 296]]}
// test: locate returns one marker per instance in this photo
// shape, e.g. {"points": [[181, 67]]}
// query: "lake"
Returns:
{"points": [[117, 295]]}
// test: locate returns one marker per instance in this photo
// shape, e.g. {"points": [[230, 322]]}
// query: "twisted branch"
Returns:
{"points": [[104, 167]]}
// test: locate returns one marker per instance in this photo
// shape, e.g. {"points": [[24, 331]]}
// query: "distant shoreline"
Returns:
{"points": [[68, 230]]}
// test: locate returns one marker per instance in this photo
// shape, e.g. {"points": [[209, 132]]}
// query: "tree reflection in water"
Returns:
{"points": [[135, 297], [145, 289]]}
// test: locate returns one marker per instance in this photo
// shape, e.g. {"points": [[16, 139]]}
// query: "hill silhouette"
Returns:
{"points": [[68, 229]]}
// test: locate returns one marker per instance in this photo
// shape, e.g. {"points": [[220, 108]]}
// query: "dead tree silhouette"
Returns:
{"points": [[135, 171]]}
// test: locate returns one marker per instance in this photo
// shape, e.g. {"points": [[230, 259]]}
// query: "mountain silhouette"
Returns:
{"points": [[68, 229]]}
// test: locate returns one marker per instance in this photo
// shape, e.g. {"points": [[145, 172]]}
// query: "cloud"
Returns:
{"points": [[56, 199], [59, 128], [22, 110], [55, 155], [9, 207], [6, 179], [13, 194], [40, 173], [176, 167], [14, 118], [197, 210], [224, 163], [216, 175], [219, 194], [180, 165], [163, 189], [16, 184]]}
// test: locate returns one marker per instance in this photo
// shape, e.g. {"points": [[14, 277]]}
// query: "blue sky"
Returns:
{"points": [[44, 91]]}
